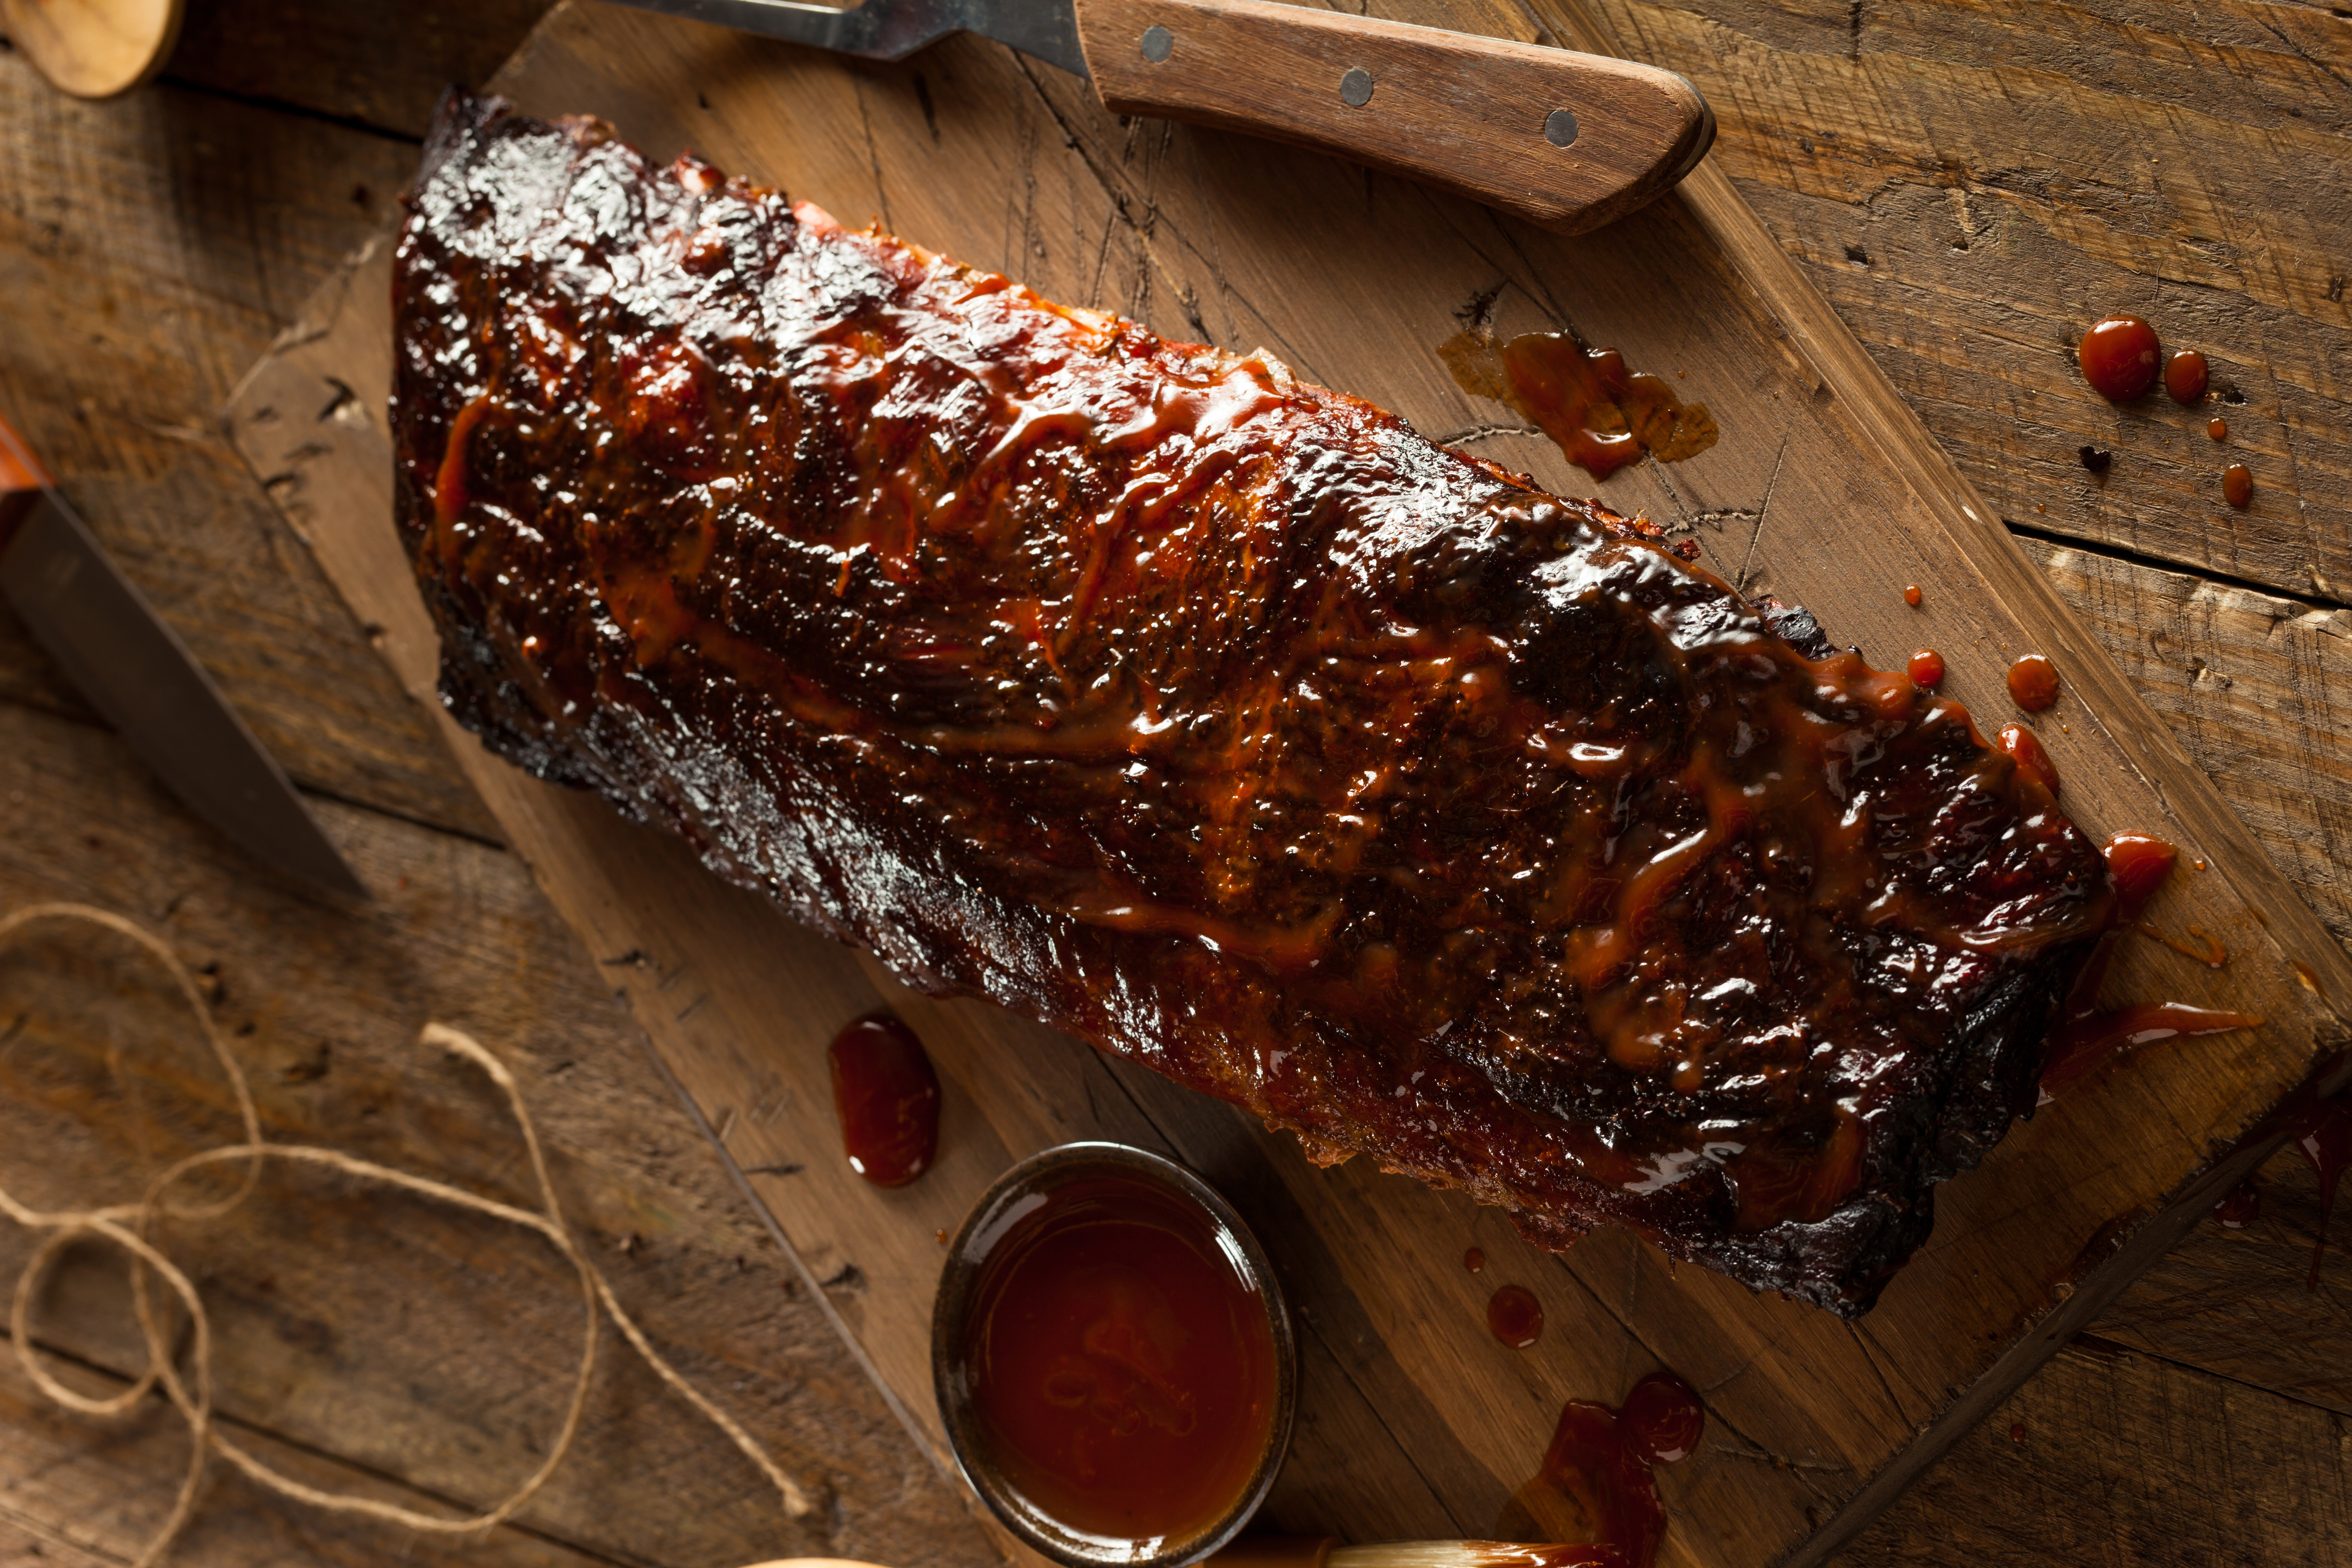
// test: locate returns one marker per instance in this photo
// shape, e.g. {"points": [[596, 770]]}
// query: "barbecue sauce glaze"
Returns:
{"points": [[1217, 718]]}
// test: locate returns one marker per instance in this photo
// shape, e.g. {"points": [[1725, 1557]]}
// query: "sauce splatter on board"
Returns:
{"points": [[1597, 1483], [1602, 415]]}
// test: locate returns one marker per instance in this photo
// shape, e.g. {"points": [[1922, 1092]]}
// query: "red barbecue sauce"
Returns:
{"points": [[1474, 1260], [1515, 1317], [1926, 667], [887, 1097], [1596, 1484], [1122, 1370], [2032, 759], [1911, 594], [2218, 428], [2185, 375], [2033, 682], [2086, 1037], [2121, 357], [2240, 1206], [1602, 415], [2238, 486]]}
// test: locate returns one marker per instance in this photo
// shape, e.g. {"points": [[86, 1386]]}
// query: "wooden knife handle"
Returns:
{"points": [[1564, 139]]}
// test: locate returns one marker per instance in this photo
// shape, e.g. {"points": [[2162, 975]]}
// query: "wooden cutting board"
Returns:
{"points": [[1414, 1422]]}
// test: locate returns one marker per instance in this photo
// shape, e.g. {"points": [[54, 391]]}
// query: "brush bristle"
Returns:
{"points": [[1473, 1554]]}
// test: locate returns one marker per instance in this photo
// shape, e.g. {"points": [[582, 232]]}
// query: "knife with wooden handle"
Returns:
{"points": [[1564, 139], [144, 680]]}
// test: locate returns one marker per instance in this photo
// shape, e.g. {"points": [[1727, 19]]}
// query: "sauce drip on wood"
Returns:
{"points": [[1602, 415], [2213, 955], [887, 1098], [1911, 594], [2185, 375], [1596, 1484], [2218, 428], [2240, 1206], [1123, 1371], [2320, 1131], [2238, 486], [2031, 757], [2033, 682], [1926, 669], [2121, 357], [1474, 1260], [2086, 1038], [1515, 1317]]}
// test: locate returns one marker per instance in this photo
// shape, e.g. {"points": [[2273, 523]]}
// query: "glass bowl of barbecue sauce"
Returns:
{"points": [[1113, 1359]]}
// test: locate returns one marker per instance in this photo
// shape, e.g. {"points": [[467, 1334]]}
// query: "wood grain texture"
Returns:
{"points": [[1972, 184], [168, 237], [2115, 1459], [453, 1383], [1416, 1426], [1466, 113]]}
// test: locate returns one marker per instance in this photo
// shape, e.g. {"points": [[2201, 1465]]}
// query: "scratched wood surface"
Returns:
{"points": [[1417, 1423], [171, 234]]}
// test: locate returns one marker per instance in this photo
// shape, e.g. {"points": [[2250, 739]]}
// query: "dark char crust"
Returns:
{"points": [[1215, 717]]}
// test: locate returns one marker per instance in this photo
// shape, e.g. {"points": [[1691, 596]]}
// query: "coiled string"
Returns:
{"points": [[126, 1226]]}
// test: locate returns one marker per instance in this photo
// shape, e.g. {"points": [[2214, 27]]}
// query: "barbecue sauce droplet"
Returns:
{"points": [[2320, 1131], [1596, 1484], [2185, 375], [2238, 486], [1515, 1317], [2218, 428], [1474, 1260], [887, 1097], [2086, 1038], [1911, 594], [1602, 415], [1926, 669], [2033, 682], [2240, 1206], [2121, 357], [2025, 747]]}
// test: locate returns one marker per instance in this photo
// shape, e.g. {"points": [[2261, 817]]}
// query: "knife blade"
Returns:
{"points": [[1567, 140], [143, 681]]}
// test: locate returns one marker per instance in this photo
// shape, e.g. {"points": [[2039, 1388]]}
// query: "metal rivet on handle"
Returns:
{"points": [[1559, 127], [1157, 44], [1356, 88]]}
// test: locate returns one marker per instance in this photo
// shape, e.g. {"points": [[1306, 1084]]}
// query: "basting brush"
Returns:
{"points": [[1308, 1551]]}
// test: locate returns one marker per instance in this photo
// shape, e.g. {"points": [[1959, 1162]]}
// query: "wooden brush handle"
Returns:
{"points": [[1564, 139]]}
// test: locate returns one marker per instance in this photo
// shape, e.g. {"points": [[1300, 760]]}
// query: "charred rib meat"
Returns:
{"points": [[1220, 719]]}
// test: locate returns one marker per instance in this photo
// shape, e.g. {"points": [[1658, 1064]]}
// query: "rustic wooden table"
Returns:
{"points": [[1967, 182]]}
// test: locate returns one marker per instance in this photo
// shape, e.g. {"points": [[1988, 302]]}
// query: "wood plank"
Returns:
{"points": [[1971, 185], [167, 237], [78, 1494], [2122, 1461], [453, 1380], [1204, 233], [2257, 688], [2238, 1303]]}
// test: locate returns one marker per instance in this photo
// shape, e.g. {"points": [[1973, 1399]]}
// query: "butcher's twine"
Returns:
{"points": [[126, 1226]]}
